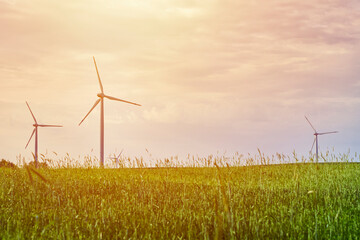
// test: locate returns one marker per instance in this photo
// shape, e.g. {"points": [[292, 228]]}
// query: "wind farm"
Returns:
{"points": [[179, 119], [222, 197], [184, 192]]}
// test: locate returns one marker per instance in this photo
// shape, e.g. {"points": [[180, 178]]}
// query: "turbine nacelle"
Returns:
{"points": [[101, 95]]}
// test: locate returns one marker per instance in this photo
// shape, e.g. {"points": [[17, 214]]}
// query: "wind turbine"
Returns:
{"points": [[35, 131], [101, 97], [117, 158], [316, 134]]}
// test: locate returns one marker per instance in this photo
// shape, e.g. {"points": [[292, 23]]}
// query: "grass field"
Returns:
{"points": [[302, 201]]}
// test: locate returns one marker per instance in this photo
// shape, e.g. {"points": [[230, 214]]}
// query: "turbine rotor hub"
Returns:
{"points": [[101, 95]]}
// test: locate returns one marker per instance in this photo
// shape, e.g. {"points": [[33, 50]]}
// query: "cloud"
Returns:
{"points": [[229, 67]]}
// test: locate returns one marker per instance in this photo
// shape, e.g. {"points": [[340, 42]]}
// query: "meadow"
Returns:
{"points": [[303, 200]]}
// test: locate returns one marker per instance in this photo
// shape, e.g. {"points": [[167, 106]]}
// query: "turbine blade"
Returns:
{"points": [[97, 71], [120, 153], [327, 133], [30, 137], [96, 103], [120, 100], [31, 112], [44, 125], [313, 145], [310, 123]]}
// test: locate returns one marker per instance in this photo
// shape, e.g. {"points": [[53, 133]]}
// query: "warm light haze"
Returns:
{"points": [[210, 75]]}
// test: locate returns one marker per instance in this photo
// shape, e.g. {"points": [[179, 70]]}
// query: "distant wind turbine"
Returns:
{"points": [[35, 131], [101, 100], [117, 158], [316, 134]]}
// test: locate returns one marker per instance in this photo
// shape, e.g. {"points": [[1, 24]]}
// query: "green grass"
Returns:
{"points": [[301, 201]]}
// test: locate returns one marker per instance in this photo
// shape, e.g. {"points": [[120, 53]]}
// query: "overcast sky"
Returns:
{"points": [[226, 75]]}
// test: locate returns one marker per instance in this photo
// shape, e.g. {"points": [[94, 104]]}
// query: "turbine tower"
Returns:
{"points": [[35, 131], [316, 134], [100, 100]]}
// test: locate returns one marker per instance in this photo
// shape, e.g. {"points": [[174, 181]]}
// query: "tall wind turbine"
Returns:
{"points": [[35, 131], [101, 97], [316, 134]]}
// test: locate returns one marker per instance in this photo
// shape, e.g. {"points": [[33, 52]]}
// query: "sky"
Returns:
{"points": [[215, 76]]}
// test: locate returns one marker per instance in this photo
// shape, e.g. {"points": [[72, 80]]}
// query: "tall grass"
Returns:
{"points": [[218, 201], [54, 160]]}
